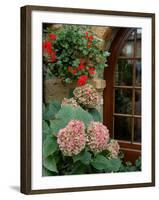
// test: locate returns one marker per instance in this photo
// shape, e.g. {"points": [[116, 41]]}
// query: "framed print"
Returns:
{"points": [[87, 99]]}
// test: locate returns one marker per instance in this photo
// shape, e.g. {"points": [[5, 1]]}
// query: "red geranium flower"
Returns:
{"points": [[52, 57], [69, 68], [49, 51], [86, 35], [74, 71], [52, 36], [91, 71], [81, 66], [89, 46], [46, 45], [82, 61], [91, 37], [82, 80]]}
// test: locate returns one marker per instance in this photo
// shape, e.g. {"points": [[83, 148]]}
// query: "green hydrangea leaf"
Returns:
{"points": [[78, 168], [50, 164], [68, 113], [50, 109], [82, 115], [46, 172], [95, 114], [84, 157], [49, 146], [108, 165], [46, 129]]}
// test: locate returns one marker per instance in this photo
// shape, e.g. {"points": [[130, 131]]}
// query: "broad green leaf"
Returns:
{"points": [[68, 113], [46, 172], [99, 162], [95, 114], [62, 118], [78, 168], [46, 129], [50, 164], [49, 146], [50, 110], [84, 157], [81, 114], [108, 165]]}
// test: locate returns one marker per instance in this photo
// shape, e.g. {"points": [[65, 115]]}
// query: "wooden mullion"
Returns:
{"points": [[127, 87], [129, 58], [126, 115], [133, 90]]}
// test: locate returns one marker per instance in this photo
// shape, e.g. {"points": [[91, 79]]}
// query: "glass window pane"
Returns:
{"points": [[138, 48], [137, 130], [138, 43], [128, 49], [137, 102], [122, 128], [123, 101], [138, 72], [123, 72]]}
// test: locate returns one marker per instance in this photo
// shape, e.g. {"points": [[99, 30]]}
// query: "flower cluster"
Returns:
{"points": [[70, 101], [80, 72], [72, 54], [90, 39], [47, 48], [72, 138], [97, 136], [113, 147], [86, 96]]}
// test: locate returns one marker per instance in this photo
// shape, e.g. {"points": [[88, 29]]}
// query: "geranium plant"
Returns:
{"points": [[72, 53]]}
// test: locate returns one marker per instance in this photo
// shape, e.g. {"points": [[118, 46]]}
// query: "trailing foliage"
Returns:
{"points": [[129, 167], [72, 53]]}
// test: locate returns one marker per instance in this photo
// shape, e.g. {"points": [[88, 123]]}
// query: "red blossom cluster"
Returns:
{"points": [[47, 47], [90, 39], [81, 72], [82, 79]]}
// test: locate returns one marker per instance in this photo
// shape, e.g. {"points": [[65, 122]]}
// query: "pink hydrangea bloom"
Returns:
{"points": [[70, 101], [86, 96], [97, 136], [72, 138], [113, 147]]}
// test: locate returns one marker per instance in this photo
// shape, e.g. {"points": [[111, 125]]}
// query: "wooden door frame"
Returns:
{"points": [[132, 151]]}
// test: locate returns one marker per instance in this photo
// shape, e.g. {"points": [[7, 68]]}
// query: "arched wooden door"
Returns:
{"points": [[122, 96]]}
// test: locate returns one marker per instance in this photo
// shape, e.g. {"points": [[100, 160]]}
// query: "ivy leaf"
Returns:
{"points": [[108, 165], [84, 157], [50, 164], [49, 146], [95, 114]]}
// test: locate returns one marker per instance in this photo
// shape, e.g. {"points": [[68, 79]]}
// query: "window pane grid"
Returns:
{"points": [[133, 115]]}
